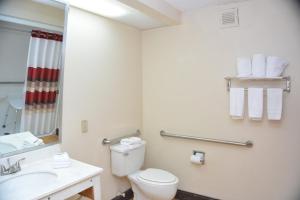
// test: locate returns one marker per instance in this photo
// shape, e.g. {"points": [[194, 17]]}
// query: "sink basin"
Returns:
{"points": [[23, 186], [6, 148]]}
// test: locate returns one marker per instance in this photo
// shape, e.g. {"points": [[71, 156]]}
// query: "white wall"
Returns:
{"points": [[184, 91], [102, 84]]}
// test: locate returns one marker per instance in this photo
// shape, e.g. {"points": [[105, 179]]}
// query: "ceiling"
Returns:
{"points": [[144, 14], [189, 5]]}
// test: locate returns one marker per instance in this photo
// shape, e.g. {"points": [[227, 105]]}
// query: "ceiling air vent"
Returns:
{"points": [[229, 18]]}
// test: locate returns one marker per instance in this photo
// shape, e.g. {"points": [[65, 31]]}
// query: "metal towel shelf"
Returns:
{"points": [[287, 80], [245, 144], [118, 139]]}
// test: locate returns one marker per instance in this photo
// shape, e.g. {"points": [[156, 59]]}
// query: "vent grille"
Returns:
{"points": [[229, 18]]}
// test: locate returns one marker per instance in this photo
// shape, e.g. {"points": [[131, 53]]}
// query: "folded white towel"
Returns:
{"points": [[61, 157], [131, 141], [33, 141], [237, 96], [135, 139], [244, 67], [258, 65], [276, 66], [126, 141], [274, 103], [61, 160], [255, 103]]}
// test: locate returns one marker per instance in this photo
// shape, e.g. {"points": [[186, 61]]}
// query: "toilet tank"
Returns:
{"points": [[127, 159]]}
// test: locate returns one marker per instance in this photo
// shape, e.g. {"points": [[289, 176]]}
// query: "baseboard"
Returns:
{"points": [[128, 195], [184, 195], [180, 195]]}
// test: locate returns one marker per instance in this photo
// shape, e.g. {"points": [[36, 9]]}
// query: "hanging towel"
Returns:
{"points": [[258, 65], [244, 67], [255, 103], [237, 103], [276, 66], [274, 103]]}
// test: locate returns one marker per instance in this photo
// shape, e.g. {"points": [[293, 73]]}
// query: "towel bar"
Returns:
{"points": [[287, 80], [246, 144], [118, 139]]}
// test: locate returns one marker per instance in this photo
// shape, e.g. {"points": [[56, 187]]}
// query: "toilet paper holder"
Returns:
{"points": [[202, 161]]}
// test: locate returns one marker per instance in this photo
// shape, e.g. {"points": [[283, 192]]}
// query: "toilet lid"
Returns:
{"points": [[157, 175]]}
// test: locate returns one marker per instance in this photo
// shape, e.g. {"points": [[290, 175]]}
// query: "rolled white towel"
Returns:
{"points": [[244, 68], [276, 66], [258, 65]]}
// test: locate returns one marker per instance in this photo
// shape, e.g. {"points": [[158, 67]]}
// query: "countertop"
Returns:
{"points": [[77, 172]]}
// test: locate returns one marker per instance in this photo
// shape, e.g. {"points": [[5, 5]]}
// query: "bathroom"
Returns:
{"points": [[161, 65]]}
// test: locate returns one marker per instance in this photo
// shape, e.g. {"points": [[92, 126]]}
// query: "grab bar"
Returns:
{"points": [[246, 144], [118, 139]]}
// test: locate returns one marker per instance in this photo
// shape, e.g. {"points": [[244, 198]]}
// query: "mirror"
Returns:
{"points": [[31, 63]]}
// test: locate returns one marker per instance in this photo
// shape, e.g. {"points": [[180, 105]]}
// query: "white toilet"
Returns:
{"points": [[149, 184]]}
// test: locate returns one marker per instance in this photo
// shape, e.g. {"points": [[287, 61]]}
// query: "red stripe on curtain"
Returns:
{"points": [[42, 74], [46, 35], [37, 97]]}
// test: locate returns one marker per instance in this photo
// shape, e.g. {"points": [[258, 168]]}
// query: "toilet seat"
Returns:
{"points": [[157, 176]]}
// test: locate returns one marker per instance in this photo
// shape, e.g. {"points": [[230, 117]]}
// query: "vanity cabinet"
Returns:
{"points": [[69, 191]]}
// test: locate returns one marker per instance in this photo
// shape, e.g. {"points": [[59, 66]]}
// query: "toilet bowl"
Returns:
{"points": [[149, 184], [153, 184]]}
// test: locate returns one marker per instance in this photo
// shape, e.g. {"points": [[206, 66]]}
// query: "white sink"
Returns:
{"points": [[25, 185], [6, 148]]}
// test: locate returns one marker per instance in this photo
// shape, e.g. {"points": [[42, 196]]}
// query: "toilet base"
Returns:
{"points": [[148, 191], [137, 193]]}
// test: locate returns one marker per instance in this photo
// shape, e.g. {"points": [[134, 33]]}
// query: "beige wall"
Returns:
{"points": [[184, 91], [102, 84]]}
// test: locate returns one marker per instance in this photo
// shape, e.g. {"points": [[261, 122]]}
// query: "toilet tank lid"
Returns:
{"points": [[121, 148]]}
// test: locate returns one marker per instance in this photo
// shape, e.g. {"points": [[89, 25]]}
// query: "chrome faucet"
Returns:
{"points": [[11, 169]]}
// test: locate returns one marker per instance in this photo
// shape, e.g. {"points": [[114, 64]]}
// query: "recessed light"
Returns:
{"points": [[107, 8]]}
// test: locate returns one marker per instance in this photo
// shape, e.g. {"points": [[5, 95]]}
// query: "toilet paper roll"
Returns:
{"points": [[196, 159]]}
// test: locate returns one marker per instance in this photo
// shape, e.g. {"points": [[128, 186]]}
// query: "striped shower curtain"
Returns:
{"points": [[43, 67]]}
